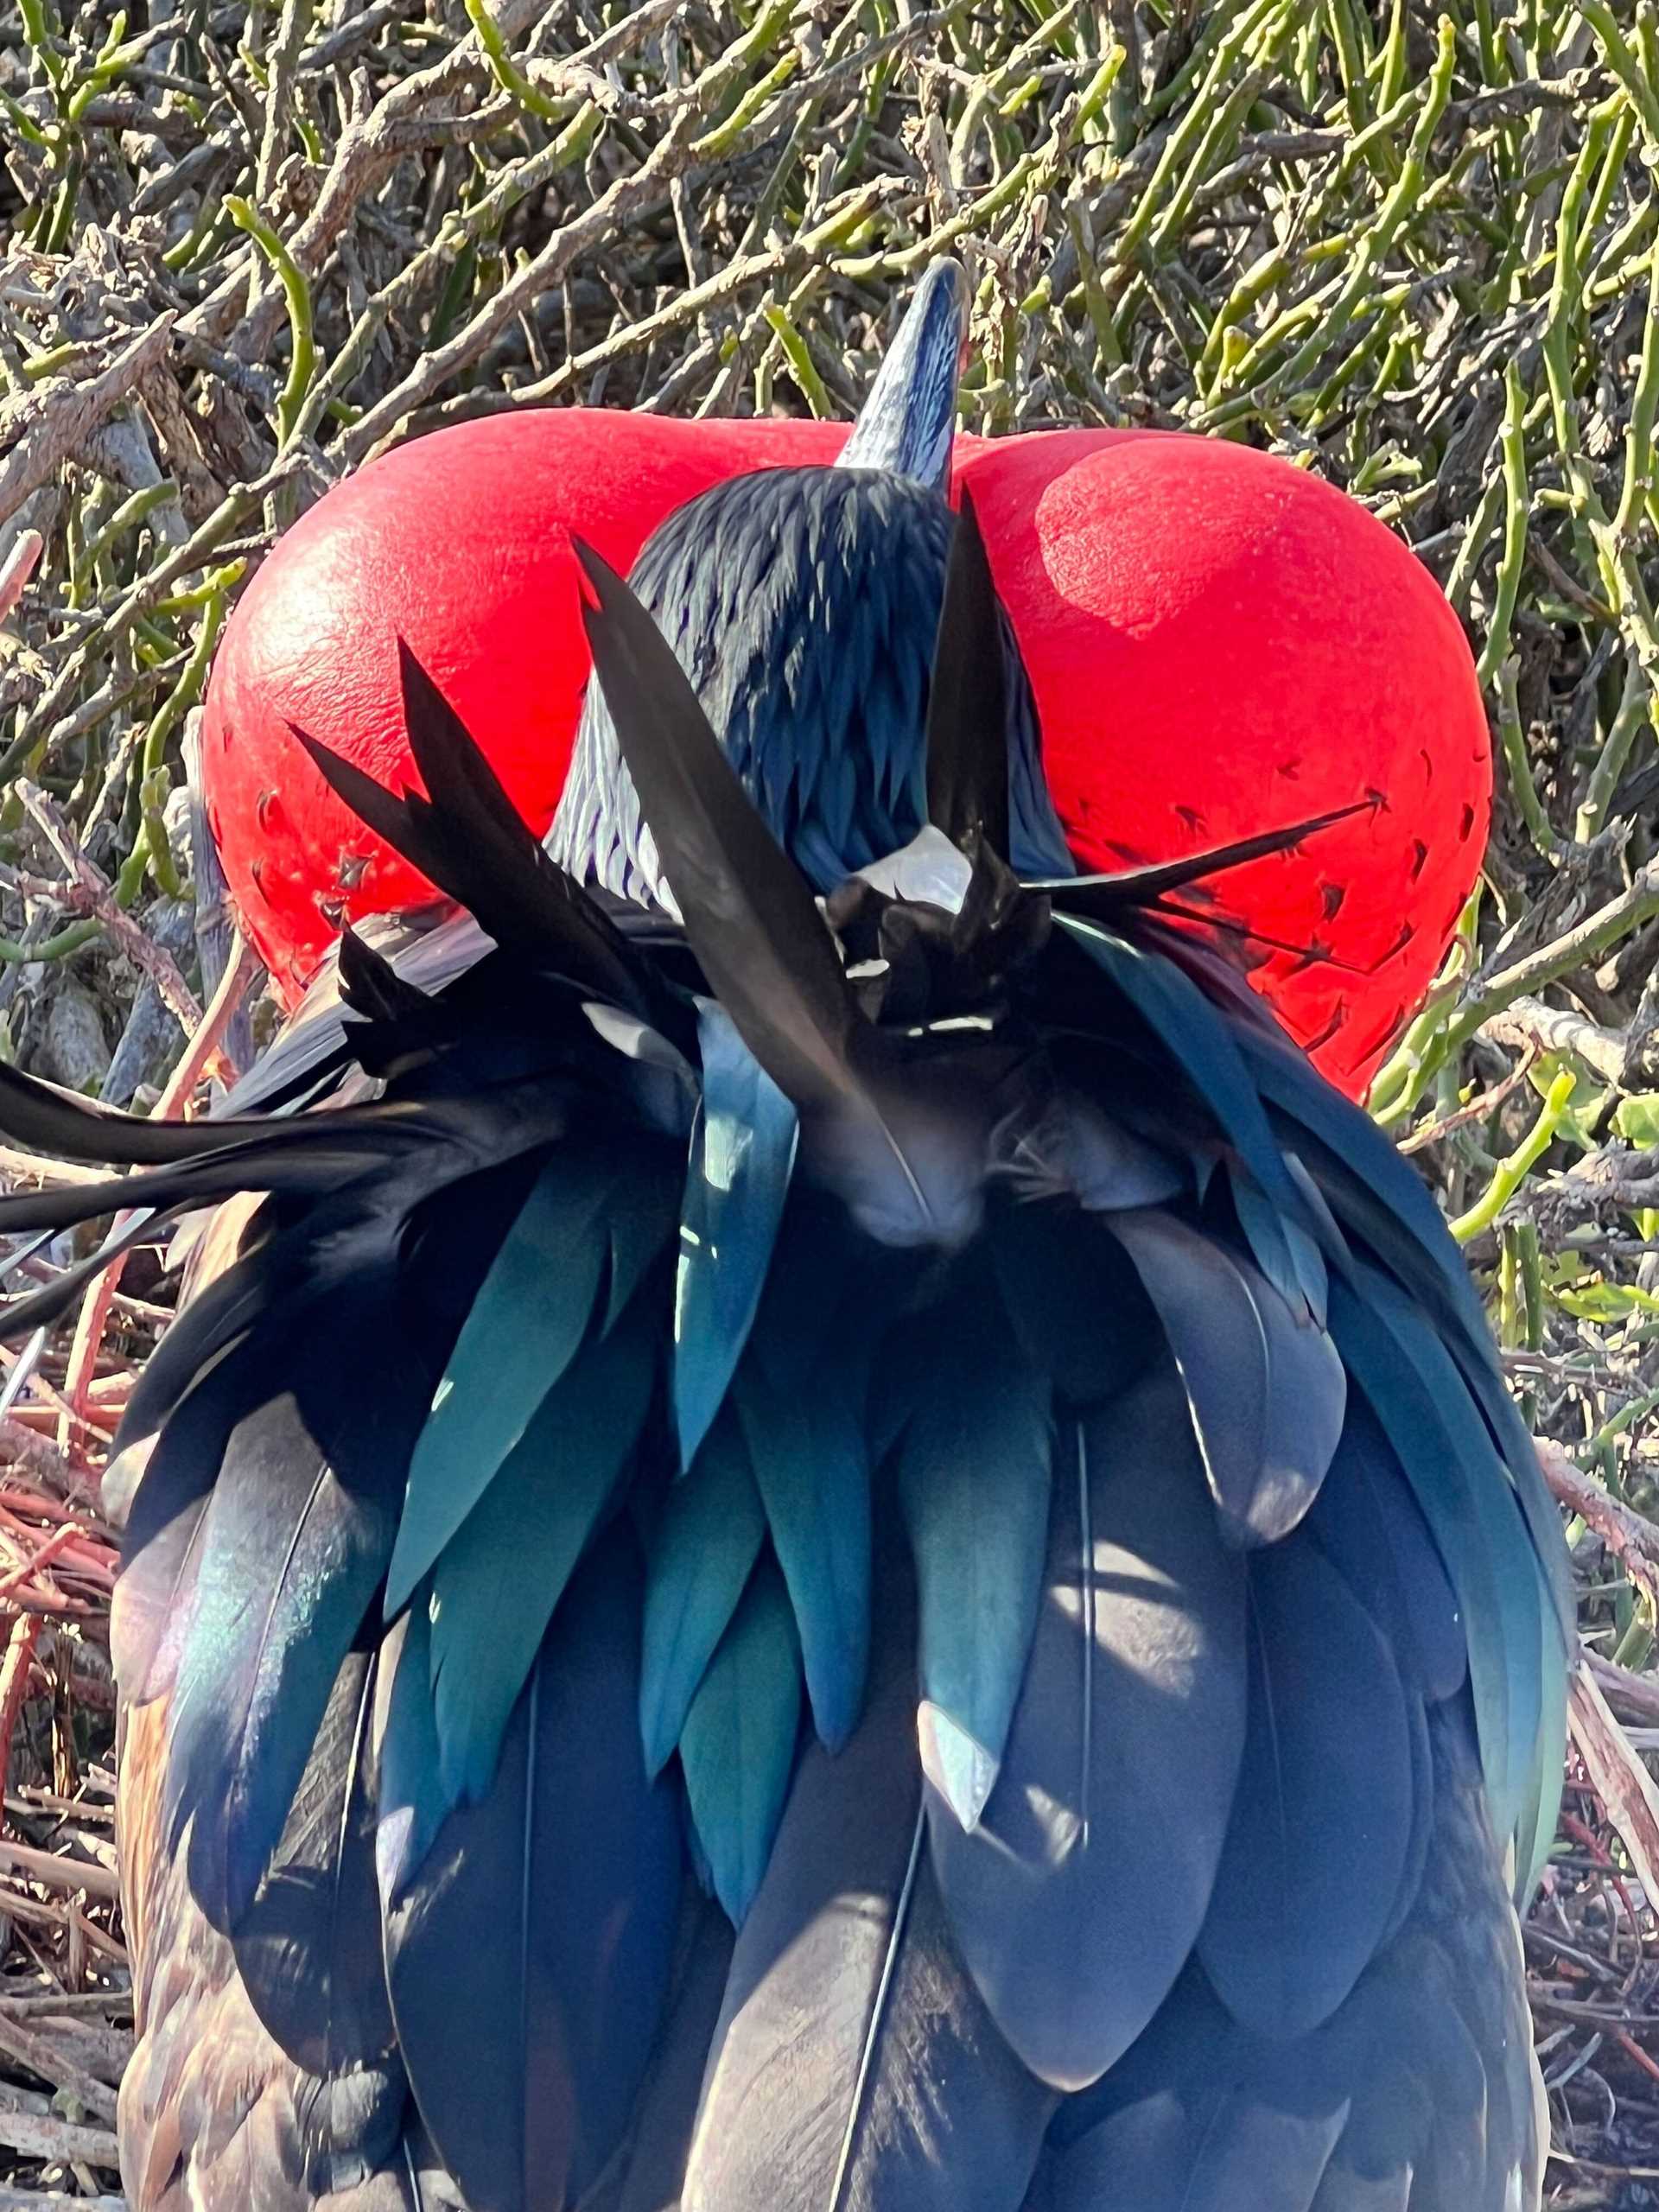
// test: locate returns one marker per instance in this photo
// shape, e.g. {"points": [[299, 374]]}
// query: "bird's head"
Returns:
{"points": [[907, 424], [801, 603]]}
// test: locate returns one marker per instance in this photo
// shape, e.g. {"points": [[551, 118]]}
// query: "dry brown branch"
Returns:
{"points": [[1478, 1110], [31, 1168], [23, 1631], [52, 422], [102, 2049], [21, 1448], [1527, 1022], [58, 2141], [52, 2199], [54, 1873], [1632, 1539], [93, 2004], [1620, 1780], [89, 891], [35, 2049]]}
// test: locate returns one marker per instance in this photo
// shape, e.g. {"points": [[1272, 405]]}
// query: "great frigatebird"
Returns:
{"points": [[816, 1553]]}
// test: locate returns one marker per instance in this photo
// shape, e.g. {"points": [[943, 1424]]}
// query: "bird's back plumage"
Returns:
{"points": [[849, 1572]]}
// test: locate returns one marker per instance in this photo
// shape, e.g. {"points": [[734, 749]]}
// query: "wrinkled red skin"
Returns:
{"points": [[1218, 643]]}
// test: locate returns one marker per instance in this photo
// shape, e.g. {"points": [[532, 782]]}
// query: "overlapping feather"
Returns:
{"points": [[462, 1534]]}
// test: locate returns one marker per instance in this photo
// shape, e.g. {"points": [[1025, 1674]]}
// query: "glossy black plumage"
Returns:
{"points": [[803, 603], [967, 747], [853, 2063], [541, 1922], [1105, 1905], [307, 1945], [1081, 1892]]}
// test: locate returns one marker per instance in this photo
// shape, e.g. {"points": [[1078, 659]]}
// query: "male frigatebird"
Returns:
{"points": [[1163, 587], [816, 1554]]}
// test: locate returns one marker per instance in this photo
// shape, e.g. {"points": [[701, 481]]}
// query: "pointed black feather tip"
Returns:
{"points": [[370, 984], [1097, 898], [967, 746], [750, 916], [453, 767], [508, 880], [63, 1125], [388, 814]]}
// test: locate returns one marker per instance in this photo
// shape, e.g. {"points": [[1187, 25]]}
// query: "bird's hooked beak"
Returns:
{"points": [[907, 423]]}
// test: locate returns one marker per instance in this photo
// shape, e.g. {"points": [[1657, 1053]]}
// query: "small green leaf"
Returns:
{"points": [[1636, 1118]]}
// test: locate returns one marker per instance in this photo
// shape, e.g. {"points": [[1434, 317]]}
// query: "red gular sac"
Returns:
{"points": [[1218, 644]]}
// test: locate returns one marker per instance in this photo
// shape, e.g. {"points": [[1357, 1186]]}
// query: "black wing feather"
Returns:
{"points": [[853, 2063], [1107, 898], [1102, 1835], [537, 1938], [749, 917], [309, 1945], [967, 712]]}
